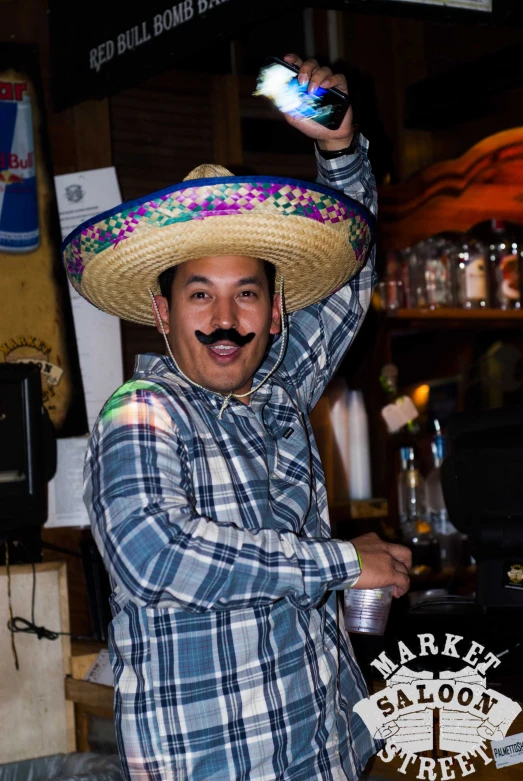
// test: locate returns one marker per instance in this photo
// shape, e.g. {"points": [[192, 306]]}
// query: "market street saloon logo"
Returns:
{"points": [[469, 713]]}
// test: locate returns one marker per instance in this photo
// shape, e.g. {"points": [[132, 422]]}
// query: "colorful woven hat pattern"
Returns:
{"points": [[316, 237]]}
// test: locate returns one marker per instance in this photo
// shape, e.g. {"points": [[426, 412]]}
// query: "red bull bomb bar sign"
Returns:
{"points": [[120, 44], [144, 32]]}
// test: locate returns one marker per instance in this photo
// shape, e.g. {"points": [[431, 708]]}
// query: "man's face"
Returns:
{"points": [[227, 292]]}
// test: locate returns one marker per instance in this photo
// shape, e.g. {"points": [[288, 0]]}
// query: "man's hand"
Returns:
{"points": [[311, 72], [383, 564]]}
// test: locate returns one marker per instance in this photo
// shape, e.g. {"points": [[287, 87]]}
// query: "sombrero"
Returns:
{"points": [[316, 237]]}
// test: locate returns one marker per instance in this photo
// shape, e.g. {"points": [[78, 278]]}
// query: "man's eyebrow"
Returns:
{"points": [[199, 279], [249, 281]]}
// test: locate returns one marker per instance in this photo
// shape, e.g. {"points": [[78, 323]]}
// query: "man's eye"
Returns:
{"points": [[199, 294], [247, 293]]}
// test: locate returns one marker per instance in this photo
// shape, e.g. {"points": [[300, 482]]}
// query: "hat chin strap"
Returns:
{"points": [[228, 396]]}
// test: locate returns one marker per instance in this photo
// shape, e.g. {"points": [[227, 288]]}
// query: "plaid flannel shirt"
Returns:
{"points": [[230, 656]]}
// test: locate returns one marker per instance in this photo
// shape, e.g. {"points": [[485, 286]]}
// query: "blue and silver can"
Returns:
{"points": [[19, 230]]}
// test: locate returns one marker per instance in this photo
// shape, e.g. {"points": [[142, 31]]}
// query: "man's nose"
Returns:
{"points": [[225, 314]]}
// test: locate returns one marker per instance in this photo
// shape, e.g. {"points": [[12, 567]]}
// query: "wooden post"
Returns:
{"points": [[226, 121]]}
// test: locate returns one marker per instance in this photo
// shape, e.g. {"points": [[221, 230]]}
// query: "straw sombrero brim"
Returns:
{"points": [[316, 237]]}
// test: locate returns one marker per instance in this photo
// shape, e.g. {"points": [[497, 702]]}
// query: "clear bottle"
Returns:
{"points": [[438, 285], [413, 276], [411, 491], [394, 296], [416, 531], [505, 271], [472, 275], [449, 538]]}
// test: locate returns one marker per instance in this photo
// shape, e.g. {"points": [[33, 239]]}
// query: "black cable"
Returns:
{"points": [[23, 626]]}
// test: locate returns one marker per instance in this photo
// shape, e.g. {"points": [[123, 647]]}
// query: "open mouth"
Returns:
{"points": [[224, 352]]}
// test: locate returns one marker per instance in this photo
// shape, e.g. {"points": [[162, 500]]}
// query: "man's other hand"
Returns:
{"points": [[383, 564], [311, 73]]}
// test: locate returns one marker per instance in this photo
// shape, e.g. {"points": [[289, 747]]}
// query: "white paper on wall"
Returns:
{"points": [[80, 196]]}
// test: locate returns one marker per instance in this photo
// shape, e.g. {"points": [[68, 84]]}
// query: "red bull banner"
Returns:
{"points": [[36, 324]]}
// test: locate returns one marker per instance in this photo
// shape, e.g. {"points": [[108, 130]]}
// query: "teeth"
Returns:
{"points": [[224, 348]]}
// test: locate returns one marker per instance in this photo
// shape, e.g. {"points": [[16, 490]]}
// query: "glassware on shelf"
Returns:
{"points": [[411, 490], [437, 267], [471, 275], [504, 262], [394, 288], [414, 277], [416, 531], [449, 538]]}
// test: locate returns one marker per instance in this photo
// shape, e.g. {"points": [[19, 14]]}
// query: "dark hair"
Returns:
{"points": [[166, 279]]}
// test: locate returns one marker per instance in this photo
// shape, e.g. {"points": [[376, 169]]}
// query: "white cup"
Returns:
{"points": [[367, 609]]}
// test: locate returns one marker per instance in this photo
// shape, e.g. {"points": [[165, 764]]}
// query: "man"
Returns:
{"points": [[203, 480]]}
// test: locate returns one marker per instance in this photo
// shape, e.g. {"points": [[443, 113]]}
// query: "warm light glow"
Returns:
{"points": [[420, 396]]}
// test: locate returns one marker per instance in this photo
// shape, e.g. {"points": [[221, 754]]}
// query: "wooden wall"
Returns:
{"points": [[395, 53]]}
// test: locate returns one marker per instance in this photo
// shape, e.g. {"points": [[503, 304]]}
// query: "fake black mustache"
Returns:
{"points": [[224, 335]]}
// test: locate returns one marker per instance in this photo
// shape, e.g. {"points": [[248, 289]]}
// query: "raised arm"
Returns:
{"points": [[156, 546], [320, 335]]}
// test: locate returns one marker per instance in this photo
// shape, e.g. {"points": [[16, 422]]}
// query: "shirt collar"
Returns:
{"points": [[149, 364]]}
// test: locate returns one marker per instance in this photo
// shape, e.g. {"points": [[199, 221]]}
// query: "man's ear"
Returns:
{"points": [[163, 309], [276, 315]]}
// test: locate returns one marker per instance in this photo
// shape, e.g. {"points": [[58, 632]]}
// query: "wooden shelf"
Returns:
{"points": [[89, 694], [456, 314]]}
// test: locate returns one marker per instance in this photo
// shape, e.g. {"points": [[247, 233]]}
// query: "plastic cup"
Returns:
{"points": [[367, 610]]}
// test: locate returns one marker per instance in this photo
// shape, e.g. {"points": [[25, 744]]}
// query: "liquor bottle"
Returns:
{"points": [[415, 530], [449, 538], [411, 491], [394, 296], [504, 265], [471, 273], [438, 287], [413, 259]]}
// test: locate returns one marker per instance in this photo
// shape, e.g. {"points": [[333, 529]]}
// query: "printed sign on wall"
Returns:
{"points": [[473, 5]]}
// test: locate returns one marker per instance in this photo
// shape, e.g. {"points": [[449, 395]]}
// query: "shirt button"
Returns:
{"points": [[326, 648]]}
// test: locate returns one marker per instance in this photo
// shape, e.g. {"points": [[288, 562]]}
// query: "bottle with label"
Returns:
{"points": [[19, 231], [415, 530], [505, 270], [418, 293], [472, 275], [449, 538], [438, 287], [394, 296]]}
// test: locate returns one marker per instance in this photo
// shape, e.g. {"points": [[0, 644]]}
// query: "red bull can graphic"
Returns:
{"points": [[18, 196]]}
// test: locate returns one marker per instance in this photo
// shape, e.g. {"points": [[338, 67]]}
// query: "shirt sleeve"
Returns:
{"points": [[320, 334], [162, 553]]}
